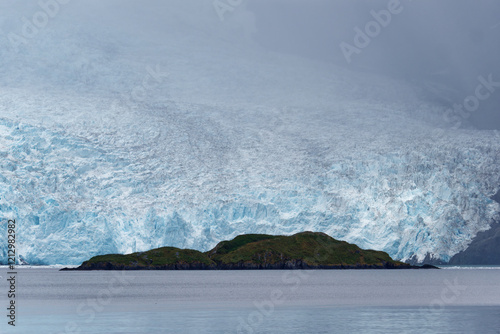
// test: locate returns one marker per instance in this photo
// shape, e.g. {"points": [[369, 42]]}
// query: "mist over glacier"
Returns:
{"points": [[129, 125]]}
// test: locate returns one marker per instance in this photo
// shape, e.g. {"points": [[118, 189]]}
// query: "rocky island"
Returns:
{"points": [[305, 250]]}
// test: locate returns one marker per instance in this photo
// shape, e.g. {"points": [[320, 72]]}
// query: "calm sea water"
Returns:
{"points": [[318, 301]]}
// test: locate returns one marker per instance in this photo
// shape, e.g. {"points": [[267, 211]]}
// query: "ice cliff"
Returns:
{"points": [[118, 135]]}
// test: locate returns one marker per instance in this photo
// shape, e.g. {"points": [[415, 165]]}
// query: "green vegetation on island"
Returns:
{"points": [[306, 250]]}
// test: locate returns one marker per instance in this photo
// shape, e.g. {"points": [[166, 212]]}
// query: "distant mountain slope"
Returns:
{"points": [[484, 248]]}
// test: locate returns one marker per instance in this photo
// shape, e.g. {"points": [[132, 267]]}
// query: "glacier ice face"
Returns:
{"points": [[233, 140], [73, 200]]}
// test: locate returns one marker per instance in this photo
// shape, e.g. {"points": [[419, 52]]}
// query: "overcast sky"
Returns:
{"points": [[448, 43], [442, 47]]}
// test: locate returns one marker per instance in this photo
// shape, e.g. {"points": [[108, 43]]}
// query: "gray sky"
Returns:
{"points": [[447, 44], [441, 47]]}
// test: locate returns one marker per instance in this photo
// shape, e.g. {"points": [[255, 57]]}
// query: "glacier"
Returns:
{"points": [[182, 131]]}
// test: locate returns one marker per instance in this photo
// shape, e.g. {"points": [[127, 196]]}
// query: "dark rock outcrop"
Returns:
{"points": [[496, 197], [483, 250]]}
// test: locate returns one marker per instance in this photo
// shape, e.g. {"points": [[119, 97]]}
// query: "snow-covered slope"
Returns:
{"points": [[119, 135]]}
